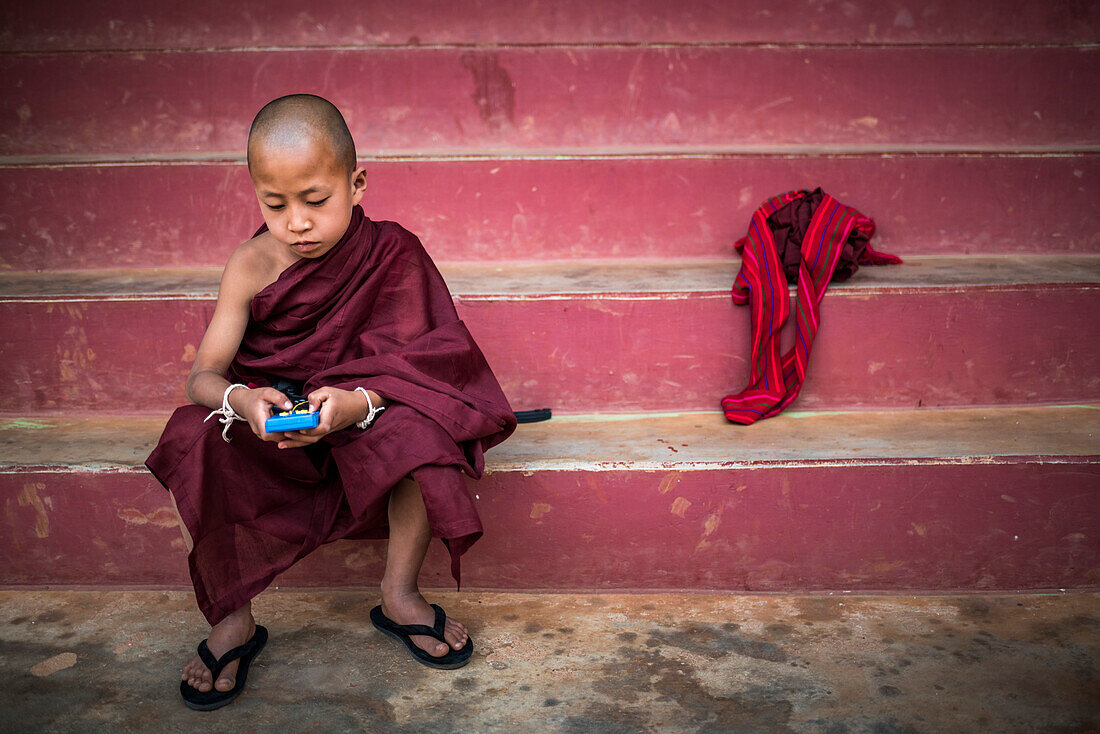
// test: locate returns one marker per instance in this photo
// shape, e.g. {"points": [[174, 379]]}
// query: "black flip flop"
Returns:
{"points": [[404, 632], [213, 699]]}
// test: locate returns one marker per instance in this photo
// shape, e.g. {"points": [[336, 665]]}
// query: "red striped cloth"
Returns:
{"points": [[776, 380]]}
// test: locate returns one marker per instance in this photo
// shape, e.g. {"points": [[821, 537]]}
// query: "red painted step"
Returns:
{"points": [[207, 23], [935, 500], [561, 99], [601, 337], [164, 215]]}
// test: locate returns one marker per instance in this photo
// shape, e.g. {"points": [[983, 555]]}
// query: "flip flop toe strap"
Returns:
{"points": [[423, 629], [216, 665]]}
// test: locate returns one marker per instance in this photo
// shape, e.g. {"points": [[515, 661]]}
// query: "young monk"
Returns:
{"points": [[355, 316]]}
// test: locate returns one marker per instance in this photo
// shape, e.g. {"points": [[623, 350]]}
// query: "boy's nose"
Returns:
{"points": [[299, 222]]}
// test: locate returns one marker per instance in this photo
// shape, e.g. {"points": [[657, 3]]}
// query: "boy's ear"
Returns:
{"points": [[358, 184]]}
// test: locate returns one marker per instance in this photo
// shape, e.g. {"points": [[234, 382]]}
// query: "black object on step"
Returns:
{"points": [[532, 416]]}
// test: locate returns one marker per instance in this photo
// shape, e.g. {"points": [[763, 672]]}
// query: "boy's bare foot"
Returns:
{"points": [[234, 630], [409, 607]]}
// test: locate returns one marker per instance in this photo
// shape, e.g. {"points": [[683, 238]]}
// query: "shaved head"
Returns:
{"points": [[302, 119]]}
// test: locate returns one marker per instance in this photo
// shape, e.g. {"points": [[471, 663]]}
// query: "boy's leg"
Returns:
{"points": [[234, 630], [408, 544], [187, 541]]}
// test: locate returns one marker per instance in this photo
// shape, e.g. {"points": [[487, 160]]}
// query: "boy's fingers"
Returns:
{"points": [[294, 443], [317, 397], [277, 398], [300, 438], [272, 396]]}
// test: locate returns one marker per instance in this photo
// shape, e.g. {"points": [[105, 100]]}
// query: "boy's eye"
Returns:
{"points": [[318, 203], [275, 207]]}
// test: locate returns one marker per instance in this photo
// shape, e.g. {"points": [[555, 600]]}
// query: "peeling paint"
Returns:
{"points": [[363, 557], [680, 506], [709, 526], [598, 305], [712, 523], [669, 481], [28, 497], [594, 486], [161, 517], [539, 509]]}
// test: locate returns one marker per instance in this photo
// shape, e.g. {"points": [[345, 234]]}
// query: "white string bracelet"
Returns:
{"points": [[365, 423], [228, 415]]}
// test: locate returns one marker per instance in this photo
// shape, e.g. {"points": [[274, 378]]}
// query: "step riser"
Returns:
{"points": [[206, 23], [927, 527], [957, 347], [565, 99], [89, 217]]}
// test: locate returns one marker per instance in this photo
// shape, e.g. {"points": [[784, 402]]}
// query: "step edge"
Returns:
{"points": [[643, 466], [36, 420], [487, 154], [959, 456], [139, 281], [806, 44]]}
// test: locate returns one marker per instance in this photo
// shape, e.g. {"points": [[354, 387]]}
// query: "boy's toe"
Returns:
{"points": [[455, 634], [441, 648], [197, 676], [225, 684]]}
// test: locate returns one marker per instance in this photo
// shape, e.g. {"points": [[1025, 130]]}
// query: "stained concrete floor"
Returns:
{"points": [[80, 661]]}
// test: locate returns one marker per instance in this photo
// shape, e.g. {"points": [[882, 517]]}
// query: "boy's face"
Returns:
{"points": [[306, 197]]}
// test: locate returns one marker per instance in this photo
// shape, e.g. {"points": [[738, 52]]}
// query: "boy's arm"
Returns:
{"points": [[206, 383]]}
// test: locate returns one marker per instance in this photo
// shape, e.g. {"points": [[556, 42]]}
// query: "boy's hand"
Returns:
{"points": [[255, 405], [339, 409]]}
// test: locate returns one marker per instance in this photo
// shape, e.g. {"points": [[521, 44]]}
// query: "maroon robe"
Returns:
{"points": [[372, 312]]}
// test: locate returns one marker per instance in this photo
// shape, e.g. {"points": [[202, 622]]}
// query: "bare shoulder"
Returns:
{"points": [[253, 266]]}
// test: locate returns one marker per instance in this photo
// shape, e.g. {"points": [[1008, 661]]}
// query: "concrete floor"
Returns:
{"points": [[77, 661]]}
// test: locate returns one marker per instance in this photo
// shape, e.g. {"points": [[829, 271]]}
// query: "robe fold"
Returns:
{"points": [[372, 312]]}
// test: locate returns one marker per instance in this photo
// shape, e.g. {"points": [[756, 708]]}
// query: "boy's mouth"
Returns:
{"points": [[305, 246]]}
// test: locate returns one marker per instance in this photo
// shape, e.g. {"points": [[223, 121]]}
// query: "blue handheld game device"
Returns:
{"points": [[295, 419], [298, 417]]}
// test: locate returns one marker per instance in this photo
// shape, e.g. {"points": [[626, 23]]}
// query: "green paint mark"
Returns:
{"points": [[23, 423], [812, 413]]}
